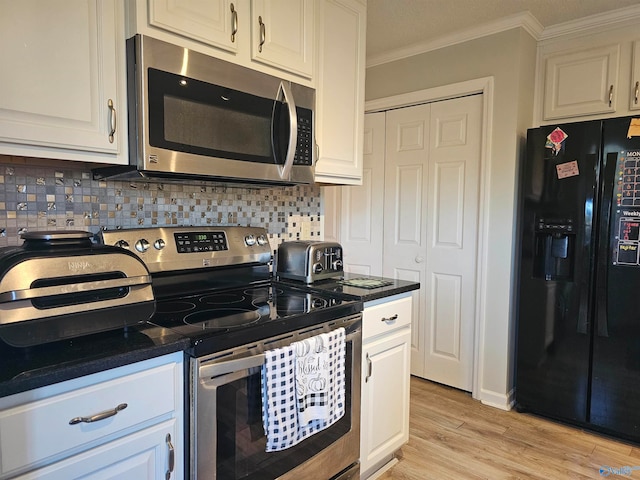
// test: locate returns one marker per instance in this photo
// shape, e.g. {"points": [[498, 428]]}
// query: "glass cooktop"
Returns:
{"points": [[222, 319]]}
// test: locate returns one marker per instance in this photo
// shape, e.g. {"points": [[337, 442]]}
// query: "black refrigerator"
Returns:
{"points": [[578, 305]]}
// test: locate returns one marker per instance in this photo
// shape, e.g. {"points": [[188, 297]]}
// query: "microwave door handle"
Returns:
{"points": [[284, 93]]}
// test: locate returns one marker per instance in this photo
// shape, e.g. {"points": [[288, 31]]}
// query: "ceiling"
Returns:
{"points": [[394, 25]]}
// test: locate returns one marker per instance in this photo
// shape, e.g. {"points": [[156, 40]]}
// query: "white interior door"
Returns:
{"points": [[430, 224], [361, 222], [405, 211]]}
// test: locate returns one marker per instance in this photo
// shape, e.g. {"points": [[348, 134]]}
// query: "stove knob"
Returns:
{"points": [[122, 244], [250, 240], [142, 245], [262, 240], [317, 268], [159, 244]]}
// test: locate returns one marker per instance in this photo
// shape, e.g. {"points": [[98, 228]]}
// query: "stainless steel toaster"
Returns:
{"points": [[309, 261]]}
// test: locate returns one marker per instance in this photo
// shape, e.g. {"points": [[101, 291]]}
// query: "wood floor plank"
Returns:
{"points": [[452, 436]]}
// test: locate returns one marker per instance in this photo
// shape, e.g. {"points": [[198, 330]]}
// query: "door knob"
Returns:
{"points": [[419, 259]]}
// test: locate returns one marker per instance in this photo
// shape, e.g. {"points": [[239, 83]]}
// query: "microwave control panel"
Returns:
{"points": [[304, 148]]}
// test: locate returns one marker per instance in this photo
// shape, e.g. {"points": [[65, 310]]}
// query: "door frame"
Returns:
{"points": [[485, 87]]}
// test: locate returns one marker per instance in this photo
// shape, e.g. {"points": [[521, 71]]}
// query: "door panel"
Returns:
{"points": [[452, 230], [431, 227], [361, 225], [405, 209]]}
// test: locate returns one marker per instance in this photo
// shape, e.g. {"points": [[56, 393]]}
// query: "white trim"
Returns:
{"points": [[613, 19], [484, 86], [498, 400], [524, 20]]}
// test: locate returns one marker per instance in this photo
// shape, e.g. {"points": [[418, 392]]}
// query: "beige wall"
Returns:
{"points": [[508, 57]]}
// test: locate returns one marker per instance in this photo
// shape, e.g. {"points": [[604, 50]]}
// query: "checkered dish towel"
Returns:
{"points": [[291, 414]]}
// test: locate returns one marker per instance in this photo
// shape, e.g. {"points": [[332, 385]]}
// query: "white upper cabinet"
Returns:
{"points": [[282, 34], [340, 91], [583, 82], [634, 101], [590, 73], [62, 91], [211, 22], [275, 36]]}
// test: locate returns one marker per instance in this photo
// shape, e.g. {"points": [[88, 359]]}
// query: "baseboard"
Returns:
{"points": [[497, 400], [378, 473]]}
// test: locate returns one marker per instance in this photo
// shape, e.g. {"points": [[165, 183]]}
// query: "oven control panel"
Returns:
{"points": [[165, 249], [188, 242]]}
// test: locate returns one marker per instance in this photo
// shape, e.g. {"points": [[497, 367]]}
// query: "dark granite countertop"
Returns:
{"points": [[24, 369], [336, 287]]}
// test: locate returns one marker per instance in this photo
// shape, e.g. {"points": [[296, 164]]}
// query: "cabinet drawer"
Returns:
{"points": [[386, 317], [40, 431]]}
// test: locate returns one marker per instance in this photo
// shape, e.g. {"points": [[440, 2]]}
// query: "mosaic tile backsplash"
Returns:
{"points": [[54, 198]]}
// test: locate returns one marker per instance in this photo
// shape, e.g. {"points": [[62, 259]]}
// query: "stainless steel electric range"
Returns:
{"points": [[214, 286]]}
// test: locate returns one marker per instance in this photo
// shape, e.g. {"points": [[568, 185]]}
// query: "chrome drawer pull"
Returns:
{"points": [[390, 319], [98, 416], [112, 120], [172, 457], [263, 34], [234, 23]]}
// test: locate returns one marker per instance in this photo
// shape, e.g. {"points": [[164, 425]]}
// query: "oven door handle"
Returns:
{"points": [[230, 366]]}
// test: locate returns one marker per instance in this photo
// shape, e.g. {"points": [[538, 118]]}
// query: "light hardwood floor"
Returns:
{"points": [[453, 436]]}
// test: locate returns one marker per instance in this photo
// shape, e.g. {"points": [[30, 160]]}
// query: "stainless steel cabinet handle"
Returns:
{"points": [[172, 457], [637, 91], [610, 95], [391, 319], [112, 120], [263, 33], [98, 416], [369, 369], [234, 23]]}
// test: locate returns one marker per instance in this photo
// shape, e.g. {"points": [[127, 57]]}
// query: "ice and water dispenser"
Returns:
{"points": [[554, 249]]}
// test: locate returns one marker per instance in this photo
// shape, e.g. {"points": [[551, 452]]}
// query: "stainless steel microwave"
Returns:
{"points": [[196, 117]]}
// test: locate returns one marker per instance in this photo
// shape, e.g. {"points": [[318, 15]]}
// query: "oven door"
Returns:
{"points": [[227, 436]]}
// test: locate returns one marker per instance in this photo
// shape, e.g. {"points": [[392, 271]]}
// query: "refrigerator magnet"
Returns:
{"points": [[555, 140], [568, 169], [634, 128]]}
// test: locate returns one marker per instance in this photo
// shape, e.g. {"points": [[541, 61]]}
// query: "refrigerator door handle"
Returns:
{"points": [[602, 307]]}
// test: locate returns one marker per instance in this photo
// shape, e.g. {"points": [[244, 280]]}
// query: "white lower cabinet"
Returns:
{"points": [[386, 340], [140, 456], [124, 423]]}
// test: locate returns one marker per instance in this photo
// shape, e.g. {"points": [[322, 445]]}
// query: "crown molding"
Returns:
{"points": [[593, 24], [525, 20], [585, 26]]}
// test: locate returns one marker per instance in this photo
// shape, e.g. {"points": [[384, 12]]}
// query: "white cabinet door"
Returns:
{"points": [[145, 455], [361, 226], [340, 91], [63, 77], [431, 196], [212, 22], [385, 398], [634, 102], [583, 82], [282, 34]]}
